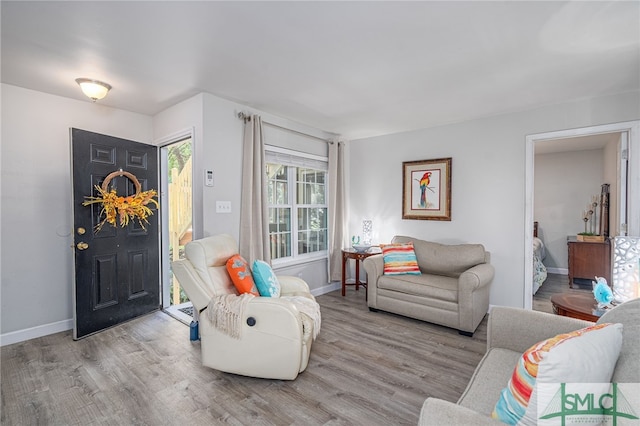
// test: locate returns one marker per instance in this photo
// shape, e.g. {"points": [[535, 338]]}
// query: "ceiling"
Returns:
{"points": [[576, 143], [353, 68]]}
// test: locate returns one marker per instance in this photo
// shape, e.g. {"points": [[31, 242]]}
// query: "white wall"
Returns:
{"points": [[222, 151], [218, 146], [488, 180], [36, 277], [36, 270], [564, 185], [174, 123]]}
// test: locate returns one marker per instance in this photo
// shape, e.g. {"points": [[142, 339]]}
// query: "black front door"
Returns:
{"points": [[116, 268]]}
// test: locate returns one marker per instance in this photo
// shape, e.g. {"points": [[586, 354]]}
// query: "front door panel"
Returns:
{"points": [[116, 268]]}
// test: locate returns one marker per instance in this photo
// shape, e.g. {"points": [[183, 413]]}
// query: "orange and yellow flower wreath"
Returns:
{"points": [[114, 207]]}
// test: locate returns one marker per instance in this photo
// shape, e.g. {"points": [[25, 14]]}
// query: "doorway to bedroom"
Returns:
{"points": [[565, 171]]}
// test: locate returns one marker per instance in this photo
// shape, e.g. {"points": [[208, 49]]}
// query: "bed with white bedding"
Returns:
{"points": [[539, 253]]}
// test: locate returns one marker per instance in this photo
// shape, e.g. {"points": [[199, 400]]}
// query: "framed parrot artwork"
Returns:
{"points": [[426, 189]]}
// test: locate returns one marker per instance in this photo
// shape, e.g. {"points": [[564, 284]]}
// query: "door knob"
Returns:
{"points": [[82, 245]]}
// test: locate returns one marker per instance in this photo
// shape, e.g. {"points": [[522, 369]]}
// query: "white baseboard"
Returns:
{"points": [[56, 327], [561, 271], [336, 285], [34, 332]]}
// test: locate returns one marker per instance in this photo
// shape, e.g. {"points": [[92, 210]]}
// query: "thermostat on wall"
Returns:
{"points": [[208, 177]]}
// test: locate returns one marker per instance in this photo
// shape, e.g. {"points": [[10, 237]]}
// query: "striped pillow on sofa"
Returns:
{"points": [[399, 259]]}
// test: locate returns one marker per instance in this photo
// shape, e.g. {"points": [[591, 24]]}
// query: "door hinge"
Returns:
{"points": [[624, 154]]}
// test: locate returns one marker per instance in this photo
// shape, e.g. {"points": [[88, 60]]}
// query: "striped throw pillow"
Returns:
{"points": [[399, 259], [588, 355]]}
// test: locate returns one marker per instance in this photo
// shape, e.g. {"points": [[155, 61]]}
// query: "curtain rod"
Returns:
{"points": [[247, 117]]}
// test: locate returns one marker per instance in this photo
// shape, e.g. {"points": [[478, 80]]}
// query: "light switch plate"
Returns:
{"points": [[223, 206]]}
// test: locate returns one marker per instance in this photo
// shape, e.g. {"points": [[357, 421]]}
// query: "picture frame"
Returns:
{"points": [[426, 189]]}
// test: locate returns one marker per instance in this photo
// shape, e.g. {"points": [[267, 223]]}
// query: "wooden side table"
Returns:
{"points": [[575, 305], [588, 260], [358, 257]]}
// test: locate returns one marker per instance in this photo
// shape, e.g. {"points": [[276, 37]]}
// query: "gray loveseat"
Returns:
{"points": [[453, 289], [511, 332]]}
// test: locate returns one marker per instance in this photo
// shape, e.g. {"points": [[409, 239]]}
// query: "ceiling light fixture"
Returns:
{"points": [[93, 88]]}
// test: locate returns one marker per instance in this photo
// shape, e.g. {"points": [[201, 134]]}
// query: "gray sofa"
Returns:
{"points": [[511, 332], [453, 289]]}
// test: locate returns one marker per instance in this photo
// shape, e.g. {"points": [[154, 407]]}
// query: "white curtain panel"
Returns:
{"points": [[336, 209], [254, 216]]}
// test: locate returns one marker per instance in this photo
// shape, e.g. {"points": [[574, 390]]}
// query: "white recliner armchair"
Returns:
{"points": [[275, 337]]}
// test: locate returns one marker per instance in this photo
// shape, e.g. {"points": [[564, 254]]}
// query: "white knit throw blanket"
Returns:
{"points": [[226, 313], [307, 307]]}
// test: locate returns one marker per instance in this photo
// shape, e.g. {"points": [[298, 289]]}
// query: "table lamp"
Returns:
{"points": [[367, 231], [626, 268]]}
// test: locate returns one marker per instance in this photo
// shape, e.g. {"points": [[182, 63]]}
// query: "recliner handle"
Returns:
{"points": [[251, 321]]}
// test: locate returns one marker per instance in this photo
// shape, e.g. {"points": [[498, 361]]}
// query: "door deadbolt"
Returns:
{"points": [[82, 245], [81, 230]]}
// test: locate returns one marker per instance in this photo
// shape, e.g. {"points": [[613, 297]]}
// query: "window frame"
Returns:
{"points": [[295, 160]]}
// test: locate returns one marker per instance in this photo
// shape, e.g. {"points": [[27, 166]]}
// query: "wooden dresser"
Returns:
{"points": [[589, 259]]}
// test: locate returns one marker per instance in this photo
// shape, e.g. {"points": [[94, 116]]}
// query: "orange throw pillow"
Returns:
{"points": [[240, 274]]}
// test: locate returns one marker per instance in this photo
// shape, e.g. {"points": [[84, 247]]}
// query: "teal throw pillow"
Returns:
{"points": [[265, 279]]}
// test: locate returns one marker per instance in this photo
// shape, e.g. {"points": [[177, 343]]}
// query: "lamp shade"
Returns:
{"points": [[94, 89], [626, 268], [367, 231]]}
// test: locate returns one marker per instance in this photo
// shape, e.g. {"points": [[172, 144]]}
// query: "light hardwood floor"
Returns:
{"points": [[554, 283], [365, 369]]}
